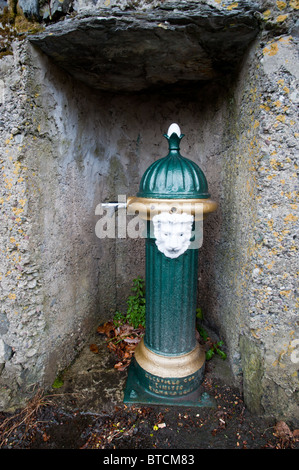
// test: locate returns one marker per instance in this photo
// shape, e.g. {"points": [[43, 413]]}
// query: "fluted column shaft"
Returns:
{"points": [[170, 301]]}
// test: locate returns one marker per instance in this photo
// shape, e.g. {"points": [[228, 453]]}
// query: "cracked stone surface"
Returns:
{"points": [[125, 51]]}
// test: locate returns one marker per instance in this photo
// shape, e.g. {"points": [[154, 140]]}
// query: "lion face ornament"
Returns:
{"points": [[173, 233]]}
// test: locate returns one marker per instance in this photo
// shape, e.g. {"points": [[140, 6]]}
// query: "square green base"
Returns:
{"points": [[135, 393]]}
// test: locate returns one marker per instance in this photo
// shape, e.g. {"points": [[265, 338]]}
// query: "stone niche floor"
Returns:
{"points": [[92, 384]]}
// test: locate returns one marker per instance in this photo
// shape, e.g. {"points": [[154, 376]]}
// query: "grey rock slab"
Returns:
{"points": [[131, 51]]}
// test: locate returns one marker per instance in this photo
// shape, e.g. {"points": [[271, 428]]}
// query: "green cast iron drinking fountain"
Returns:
{"points": [[173, 199]]}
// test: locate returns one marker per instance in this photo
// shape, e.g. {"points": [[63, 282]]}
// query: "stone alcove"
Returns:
{"points": [[98, 91]]}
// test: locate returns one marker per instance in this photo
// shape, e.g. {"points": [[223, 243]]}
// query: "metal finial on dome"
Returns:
{"points": [[174, 128], [174, 137]]}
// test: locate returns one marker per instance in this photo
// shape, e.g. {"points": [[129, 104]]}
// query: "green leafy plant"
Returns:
{"points": [[135, 315], [214, 347], [199, 314], [119, 318], [58, 382]]}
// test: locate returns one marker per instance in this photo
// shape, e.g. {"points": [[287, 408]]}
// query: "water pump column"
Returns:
{"points": [[173, 199]]}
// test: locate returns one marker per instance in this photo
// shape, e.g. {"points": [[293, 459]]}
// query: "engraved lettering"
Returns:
{"points": [[171, 386]]}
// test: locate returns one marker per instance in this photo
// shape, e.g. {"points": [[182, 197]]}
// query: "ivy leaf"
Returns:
{"points": [[221, 353], [209, 354], [203, 333]]}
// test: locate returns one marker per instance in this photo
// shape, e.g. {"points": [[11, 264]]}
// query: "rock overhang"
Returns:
{"points": [[129, 51]]}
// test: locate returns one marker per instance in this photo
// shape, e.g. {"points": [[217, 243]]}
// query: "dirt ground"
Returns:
{"points": [[87, 412]]}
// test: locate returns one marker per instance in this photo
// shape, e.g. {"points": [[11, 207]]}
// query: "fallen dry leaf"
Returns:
{"points": [[127, 355], [94, 348], [121, 366], [283, 432], [46, 437], [125, 329], [132, 340], [122, 341], [106, 329]]}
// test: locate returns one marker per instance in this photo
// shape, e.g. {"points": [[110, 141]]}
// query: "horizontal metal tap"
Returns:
{"points": [[113, 207]]}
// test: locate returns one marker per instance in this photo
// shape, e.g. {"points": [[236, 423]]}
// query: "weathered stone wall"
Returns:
{"points": [[273, 286], [65, 148], [61, 159], [252, 298]]}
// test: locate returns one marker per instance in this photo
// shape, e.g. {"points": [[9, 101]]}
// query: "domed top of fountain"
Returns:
{"points": [[174, 176]]}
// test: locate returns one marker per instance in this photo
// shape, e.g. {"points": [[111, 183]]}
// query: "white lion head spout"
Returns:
{"points": [[173, 233]]}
